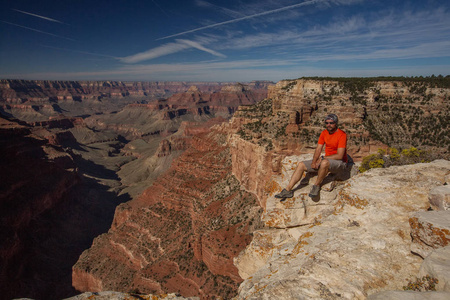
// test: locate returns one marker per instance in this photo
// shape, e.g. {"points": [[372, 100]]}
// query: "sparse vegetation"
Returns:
{"points": [[372, 161], [395, 157], [426, 283], [358, 83]]}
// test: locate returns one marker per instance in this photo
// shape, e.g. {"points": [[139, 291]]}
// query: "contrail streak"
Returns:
{"points": [[58, 36], [160, 8], [245, 18], [38, 16]]}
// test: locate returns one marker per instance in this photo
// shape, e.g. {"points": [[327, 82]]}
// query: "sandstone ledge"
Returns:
{"points": [[357, 246], [429, 230]]}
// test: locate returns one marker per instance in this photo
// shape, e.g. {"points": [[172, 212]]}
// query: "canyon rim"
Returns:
{"points": [[168, 187]]}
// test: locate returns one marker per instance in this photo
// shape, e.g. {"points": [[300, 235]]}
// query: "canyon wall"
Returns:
{"points": [[181, 234], [116, 138], [19, 91], [16, 92], [32, 100], [29, 165]]}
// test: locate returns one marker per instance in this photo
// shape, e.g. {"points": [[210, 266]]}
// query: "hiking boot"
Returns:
{"points": [[285, 194], [314, 191]]}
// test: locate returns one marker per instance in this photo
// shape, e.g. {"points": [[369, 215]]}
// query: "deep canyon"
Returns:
{"points": [[157, 187]]}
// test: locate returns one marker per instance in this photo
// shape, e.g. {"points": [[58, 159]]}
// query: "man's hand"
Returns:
{"points": [[316, 158], [316, 163]]}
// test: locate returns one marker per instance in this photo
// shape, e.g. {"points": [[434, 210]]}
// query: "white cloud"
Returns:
{"points": [[200, 47], [224, 10], [378, 36], [167, 49], [156, 52]]}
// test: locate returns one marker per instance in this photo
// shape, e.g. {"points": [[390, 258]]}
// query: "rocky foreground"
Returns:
{"points": [[354, 241]]}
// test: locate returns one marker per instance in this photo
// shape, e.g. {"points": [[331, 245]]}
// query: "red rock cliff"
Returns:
{"points": [[181, 235]]}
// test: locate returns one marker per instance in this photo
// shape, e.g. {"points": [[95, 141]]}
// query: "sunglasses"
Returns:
{"points": [[330, 123]]}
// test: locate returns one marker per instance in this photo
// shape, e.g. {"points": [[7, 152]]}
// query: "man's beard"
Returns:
{"points": [[331, 131]]}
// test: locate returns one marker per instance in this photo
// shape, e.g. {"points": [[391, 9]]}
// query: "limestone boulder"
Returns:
{"points": [[437, 265], [429, 230], [440, 198]]}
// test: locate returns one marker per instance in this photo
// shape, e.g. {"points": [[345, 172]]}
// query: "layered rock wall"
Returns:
{"points": [[19, 91], [181, 235]]}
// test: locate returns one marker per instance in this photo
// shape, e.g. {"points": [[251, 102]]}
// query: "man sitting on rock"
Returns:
{"points": [[334, 161]]}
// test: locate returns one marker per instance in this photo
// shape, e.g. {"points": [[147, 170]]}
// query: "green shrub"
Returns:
{"points": [[397, 158], [394, 154], [372, 161]]}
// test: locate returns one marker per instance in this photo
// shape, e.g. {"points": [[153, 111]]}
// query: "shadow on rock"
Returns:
{"points": [[49, 216]]}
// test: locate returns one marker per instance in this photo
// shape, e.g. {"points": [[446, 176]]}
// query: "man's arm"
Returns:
{"points": [[338, 156], [316, 158]]}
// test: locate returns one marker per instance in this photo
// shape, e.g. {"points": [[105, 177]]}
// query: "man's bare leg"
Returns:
{"points": [[298, 173], [323, 171]]}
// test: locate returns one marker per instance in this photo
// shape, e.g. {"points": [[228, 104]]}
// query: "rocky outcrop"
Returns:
{"points": [[181, 234], [429, 231], [409, 295], [437, 265], [290, 120], [440, 198], [433, 280], [353, 242]]}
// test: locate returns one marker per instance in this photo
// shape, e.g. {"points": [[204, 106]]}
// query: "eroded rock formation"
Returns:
{"points": [[181, 234], [353, 242], [33, 100]]}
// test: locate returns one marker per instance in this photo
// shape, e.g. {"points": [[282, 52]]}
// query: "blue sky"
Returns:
{"points": [[212, 40]]}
